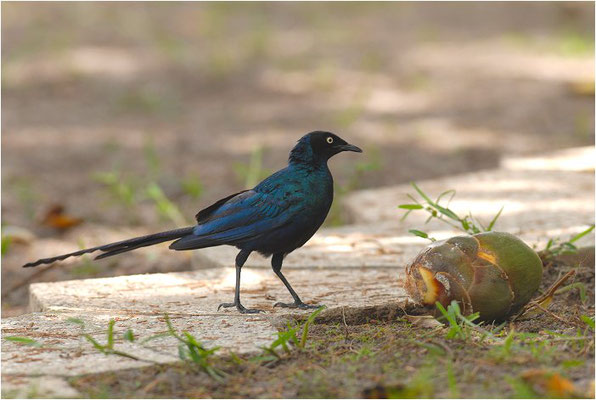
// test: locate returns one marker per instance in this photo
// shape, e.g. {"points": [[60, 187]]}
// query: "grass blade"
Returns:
{"points": [[422, 194], [588, 321], [494, 220], [405, 215], [410, 206], [419, 233], [77, 321], [24, 340], [128, 335], [95, 343], [156, 336], [581, 234], [6, 240], [171, 329], [110, 344], [451, 381], [309, 321], [450, 191], [447, 212]]}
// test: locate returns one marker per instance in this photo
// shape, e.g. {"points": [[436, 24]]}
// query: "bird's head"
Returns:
{"points": [[319, 146]]}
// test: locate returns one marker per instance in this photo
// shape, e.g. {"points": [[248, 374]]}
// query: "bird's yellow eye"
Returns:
{"points": [[329, 140]]}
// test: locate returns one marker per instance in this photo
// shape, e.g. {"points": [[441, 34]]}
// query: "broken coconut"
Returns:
{"points": [[492, 273]]}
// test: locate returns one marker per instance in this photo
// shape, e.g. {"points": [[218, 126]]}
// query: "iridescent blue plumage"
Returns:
{"points": [[274, 218], [277, 216]]}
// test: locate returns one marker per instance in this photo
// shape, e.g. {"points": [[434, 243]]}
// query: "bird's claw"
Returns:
{"points": [[240, 308], [300, 305]]}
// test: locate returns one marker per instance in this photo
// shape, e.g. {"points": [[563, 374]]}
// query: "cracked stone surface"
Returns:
{"points": [[196, 295], [139, 302]]}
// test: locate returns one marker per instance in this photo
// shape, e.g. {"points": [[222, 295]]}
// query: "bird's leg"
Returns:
{"points": [[240, 260], [276, 262]]}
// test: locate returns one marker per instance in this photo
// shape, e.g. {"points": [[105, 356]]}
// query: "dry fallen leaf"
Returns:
{"points": [[549, 383], [56, 218]]}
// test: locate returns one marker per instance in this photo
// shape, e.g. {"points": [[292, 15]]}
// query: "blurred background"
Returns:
{"points": [[125, 118]]}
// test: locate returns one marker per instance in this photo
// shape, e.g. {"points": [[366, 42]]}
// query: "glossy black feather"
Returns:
{"points": [[276, 217]]}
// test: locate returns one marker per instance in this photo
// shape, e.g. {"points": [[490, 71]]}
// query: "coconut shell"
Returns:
{"points": [[493, 273]]}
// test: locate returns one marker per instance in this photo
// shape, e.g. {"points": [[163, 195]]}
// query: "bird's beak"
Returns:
{"points": [[350, 147]]}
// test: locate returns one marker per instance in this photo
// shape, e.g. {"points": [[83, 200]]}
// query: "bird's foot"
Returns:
{"points": [[240, 308], [298, 304]]}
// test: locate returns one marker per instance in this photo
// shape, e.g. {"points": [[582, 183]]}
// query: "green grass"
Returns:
{"points": [[251, 173], [359, 360], [6, 241], [121, 189], [108, 348], [573, 43], [129, 192], [565, 42], [521, 390], [288, 338], [581, 288], [151, 157], [589, 321], [23, 340], [556, 247], [460, 326], [191, 349], [443, 213], [452, 381], [193, 186], [166, 209]]}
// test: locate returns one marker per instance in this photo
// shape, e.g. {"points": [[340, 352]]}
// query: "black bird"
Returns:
{"points": [[274, 218]]}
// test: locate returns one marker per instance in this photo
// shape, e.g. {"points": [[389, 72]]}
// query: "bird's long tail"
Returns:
{"points": [[120, 247]]}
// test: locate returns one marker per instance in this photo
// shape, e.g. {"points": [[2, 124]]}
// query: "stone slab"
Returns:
{"points": [[578, 159], [197, 294], [138, 302], [538, 205]]}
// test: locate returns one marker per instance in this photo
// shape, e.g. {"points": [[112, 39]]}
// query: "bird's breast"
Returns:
{"points": [[307, 196], [316, 198], [316, 190]]}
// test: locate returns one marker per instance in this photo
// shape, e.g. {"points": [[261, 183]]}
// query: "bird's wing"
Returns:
{"points": [[245, 215], [206, 213]]}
